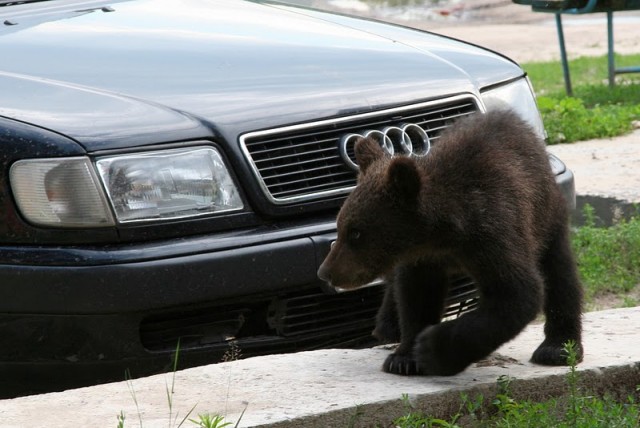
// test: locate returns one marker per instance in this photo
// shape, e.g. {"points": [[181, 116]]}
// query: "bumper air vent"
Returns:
{"points": [[302, 320]]}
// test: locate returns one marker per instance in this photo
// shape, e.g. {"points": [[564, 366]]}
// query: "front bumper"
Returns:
{"points": [[149, 276], [565, 180], [101, 311]]}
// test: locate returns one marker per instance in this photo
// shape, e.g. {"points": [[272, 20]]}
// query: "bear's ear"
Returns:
{"points": [[367, 150], [403, 178]]}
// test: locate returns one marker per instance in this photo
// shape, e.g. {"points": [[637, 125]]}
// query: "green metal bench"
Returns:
{"points": [[578, 7]]}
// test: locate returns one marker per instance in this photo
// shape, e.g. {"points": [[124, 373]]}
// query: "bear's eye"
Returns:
{"points": [[354, 235]]}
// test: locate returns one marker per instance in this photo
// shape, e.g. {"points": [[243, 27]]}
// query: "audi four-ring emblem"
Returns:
{"points": [[408, 139]]}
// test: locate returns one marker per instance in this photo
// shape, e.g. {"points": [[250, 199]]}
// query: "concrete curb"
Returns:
{"points": [[337, 388]]}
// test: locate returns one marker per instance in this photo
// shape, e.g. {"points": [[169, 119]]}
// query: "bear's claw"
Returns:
{"points": [[401, 365]]}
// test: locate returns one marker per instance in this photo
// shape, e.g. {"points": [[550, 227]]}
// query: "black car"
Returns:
{"points": [[170, 172]]}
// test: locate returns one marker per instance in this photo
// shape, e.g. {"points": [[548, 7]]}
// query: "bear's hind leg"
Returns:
{"points": [[563, 303], [419, 290]]}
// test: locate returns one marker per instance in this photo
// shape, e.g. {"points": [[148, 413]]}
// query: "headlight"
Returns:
{"points": [[518, 96], [168, 184]]}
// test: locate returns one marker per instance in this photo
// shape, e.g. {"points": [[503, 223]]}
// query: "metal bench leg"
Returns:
{"points": [[563, 56], [612, 66]]}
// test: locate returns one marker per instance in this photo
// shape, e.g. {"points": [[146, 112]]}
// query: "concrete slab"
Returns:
{"points": [[333, 388]]}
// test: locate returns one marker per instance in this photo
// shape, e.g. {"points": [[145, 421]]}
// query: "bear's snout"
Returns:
{"points": [[340, 270], [324, 273]]}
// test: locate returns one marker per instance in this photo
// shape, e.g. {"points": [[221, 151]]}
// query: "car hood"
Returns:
{"points": [[155, 70]]}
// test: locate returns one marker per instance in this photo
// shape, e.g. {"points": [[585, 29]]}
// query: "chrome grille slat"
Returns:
{"points": [[294, 155], [313, 178], [312, 161], [318, 187], [328, 141], [299, 172], [302, 162], [436, 130], [440, 111]]}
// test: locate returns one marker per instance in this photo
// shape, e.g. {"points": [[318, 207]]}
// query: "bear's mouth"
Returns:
{"points": [[343, 288]]}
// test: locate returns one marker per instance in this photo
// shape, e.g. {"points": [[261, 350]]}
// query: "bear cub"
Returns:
{"points": [[483, 201]]}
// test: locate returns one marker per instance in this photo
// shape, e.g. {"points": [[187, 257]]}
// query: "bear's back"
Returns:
{"points": [[493, 170], [496, 139]]}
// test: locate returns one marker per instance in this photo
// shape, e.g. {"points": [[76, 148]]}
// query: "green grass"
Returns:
{"points": [[547, 76], [595, 110], [577, 410], [608, 257]]}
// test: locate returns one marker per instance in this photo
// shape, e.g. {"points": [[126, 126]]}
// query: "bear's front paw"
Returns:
{"points": [[400, 364]]}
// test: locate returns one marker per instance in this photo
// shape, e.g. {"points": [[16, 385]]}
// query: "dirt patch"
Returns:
{"points": [[615, 301]]}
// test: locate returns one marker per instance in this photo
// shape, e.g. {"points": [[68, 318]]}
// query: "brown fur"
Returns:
{"points": [[483, 200]]}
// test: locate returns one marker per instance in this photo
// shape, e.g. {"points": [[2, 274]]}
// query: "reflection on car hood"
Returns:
{"points": [[239, 65]]}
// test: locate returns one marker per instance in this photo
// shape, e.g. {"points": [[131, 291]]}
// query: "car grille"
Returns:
{"points": [[303, 162]]}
